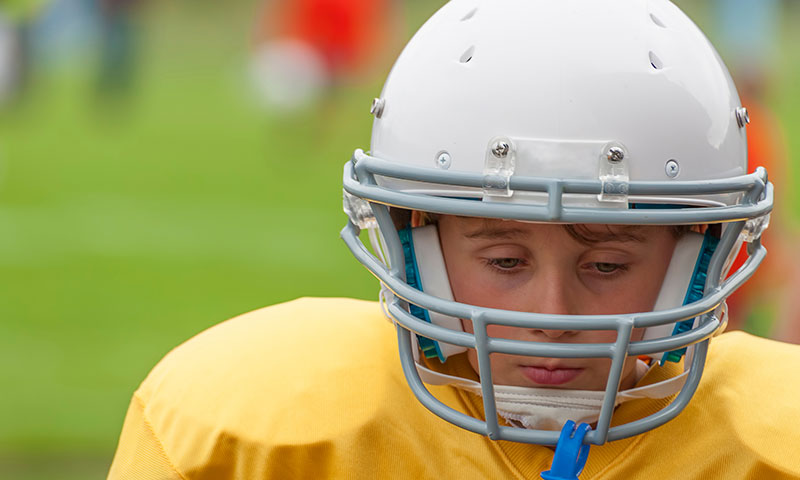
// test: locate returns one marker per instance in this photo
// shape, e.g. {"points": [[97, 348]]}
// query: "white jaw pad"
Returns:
{"points": [[676, 283], [434, 280]]}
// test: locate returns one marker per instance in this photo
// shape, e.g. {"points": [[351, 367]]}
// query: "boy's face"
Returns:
{"points": [[542, 268]]}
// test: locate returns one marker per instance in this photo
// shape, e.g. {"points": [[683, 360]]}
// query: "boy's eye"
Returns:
{"points": [[505, 263], [607, 267]]}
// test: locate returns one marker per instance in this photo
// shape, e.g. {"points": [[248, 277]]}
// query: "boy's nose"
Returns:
{"points": [[551, 295]]}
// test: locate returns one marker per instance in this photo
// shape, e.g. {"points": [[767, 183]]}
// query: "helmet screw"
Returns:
{"points": [[443, 160], [377, 107], [500, 149], [742, 117], [672, 169], [615, 155]]}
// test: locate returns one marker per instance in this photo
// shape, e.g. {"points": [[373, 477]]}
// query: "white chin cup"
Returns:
{"points": [[550, 408]]}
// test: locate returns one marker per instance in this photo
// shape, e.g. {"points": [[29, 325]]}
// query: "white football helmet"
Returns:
{"points": [[571, 112]]}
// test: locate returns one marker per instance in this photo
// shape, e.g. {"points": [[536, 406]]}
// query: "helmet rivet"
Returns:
{"points": [[377, 107], [742, 117], [443, 160], [672, 168], [500, 149], [615, 155]]}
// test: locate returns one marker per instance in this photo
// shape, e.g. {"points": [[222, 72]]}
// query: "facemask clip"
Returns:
{"points": [[613, 174], [359, 211], [501, 157], [754, 228]]}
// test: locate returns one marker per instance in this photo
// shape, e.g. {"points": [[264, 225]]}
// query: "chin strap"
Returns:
{"points": [[571, 454]]}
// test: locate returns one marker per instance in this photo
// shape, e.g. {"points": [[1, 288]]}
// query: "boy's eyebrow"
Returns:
{"points": [[627, 233], [489, 230]]}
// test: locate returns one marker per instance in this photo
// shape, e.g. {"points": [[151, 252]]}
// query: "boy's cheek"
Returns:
{"points": [[466, 325], [637, 334]]}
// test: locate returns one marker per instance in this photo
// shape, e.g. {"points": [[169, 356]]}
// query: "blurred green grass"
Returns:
{"points": [[127, 226]]}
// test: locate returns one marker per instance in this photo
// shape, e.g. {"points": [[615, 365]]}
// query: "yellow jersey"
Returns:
{"points": [[313, 389]]}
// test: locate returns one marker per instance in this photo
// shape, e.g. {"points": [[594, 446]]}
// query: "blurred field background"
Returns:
{"points": [[135, 215]]}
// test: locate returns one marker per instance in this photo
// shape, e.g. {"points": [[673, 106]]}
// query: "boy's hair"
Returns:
{"points": [[580, 233]]}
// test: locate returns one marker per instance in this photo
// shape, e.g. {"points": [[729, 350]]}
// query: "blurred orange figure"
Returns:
{"points": [[772, 286], [346, 33], [305, 47], [749, 33]]}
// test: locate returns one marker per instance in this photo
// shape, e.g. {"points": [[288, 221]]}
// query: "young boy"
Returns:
{"points": [[553, 194]]}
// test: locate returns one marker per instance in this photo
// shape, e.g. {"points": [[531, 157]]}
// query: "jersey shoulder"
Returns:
{"points": [[299, 373], [286, 352], [738, 424], [307, 389], [748, 385]]}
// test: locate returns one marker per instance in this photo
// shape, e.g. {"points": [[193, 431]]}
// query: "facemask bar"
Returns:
{"points": [[493, 430], [757, 201], [623, 324], [359, 180]]}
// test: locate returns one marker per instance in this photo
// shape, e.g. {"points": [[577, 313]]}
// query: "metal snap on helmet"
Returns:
{"points": [[570, 112]]}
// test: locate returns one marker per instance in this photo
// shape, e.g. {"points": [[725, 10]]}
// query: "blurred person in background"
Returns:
{"points": [[748, 33], [99, 33], [304, 49], [15, 16], [10, 65], [117, 45], [63, 32]]}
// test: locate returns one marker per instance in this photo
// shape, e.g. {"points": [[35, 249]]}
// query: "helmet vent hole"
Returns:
{"points": [[655, 61], [467, 55], [469, 14], [657, 21]]}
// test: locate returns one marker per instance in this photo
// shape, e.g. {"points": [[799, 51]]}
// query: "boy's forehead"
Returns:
{"points": [[477, 227]]}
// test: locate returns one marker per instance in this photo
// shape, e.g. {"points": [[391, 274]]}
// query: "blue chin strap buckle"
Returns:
{"points": [[571, 453]]}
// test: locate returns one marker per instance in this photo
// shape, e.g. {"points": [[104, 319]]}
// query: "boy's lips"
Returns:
{"points": [[550, 376]]}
